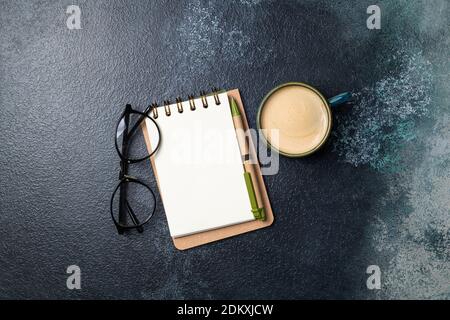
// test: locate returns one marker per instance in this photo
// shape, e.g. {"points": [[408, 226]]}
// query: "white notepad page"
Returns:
{"points": [[199, 168]]}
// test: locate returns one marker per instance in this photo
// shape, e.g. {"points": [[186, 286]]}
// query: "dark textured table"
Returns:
{"points": [[377, 194]]}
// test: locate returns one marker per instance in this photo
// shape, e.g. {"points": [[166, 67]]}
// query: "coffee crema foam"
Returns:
{"points": [[302, 119]]}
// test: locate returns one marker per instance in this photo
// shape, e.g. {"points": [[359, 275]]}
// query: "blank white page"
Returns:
{"points": [[199, 168]]}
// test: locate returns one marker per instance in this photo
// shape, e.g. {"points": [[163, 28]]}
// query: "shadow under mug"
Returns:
{"points": [[292, 103]]}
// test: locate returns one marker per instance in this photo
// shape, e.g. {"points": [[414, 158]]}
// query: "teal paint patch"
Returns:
{"points": [[206, 35], [410, 234], [384, 116], [420, 264], [250, 2]]}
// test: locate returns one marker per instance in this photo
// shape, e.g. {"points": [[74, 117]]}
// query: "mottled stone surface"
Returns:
{"points": [[378, 193]]}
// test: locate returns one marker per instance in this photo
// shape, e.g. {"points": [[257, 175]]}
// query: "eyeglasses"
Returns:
{"points": [[133, 202]]}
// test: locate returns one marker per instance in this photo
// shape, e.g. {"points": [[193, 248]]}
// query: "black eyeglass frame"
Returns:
{"points": [[125, 178]]}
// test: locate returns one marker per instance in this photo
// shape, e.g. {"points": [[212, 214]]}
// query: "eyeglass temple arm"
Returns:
{"points": [[138, 122], [134, 218], [124, 171]]}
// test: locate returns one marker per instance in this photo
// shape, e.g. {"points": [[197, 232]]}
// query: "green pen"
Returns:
{"points": [[249, 168]]}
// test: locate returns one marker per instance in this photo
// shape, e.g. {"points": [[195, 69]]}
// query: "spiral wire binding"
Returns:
{"points": [[191, 102], [154, 108], [179, 105], [203, 96], [215, 92], [167, 107]]}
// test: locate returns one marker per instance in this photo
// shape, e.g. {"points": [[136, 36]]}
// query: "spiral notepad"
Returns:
{"points": [[199, 167]]}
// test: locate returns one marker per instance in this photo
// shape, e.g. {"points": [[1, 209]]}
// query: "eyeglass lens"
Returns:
{"points": [[137, 136]]}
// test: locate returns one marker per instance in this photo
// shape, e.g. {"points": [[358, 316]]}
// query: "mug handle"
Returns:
{"points": [[340, 99]]}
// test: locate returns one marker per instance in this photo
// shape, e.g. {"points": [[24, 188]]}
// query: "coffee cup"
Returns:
{"points": [[295, 119]]}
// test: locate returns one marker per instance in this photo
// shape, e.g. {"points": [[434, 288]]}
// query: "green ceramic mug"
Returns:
{"points": [[295, 119]]}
